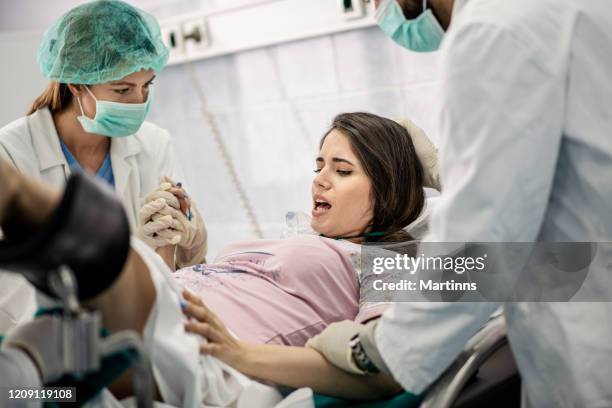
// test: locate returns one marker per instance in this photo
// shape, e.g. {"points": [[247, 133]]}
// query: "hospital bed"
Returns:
{"points": [[484, 375]]}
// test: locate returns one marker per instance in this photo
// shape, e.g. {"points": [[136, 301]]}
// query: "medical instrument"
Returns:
{"points": [[68, 262], [185, 195]]}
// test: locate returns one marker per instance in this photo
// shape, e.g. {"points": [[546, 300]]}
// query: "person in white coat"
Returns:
{"points": [[526, 156], [101, 58]]}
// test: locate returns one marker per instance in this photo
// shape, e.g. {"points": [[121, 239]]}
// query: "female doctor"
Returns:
{"points": [[101, 58]]}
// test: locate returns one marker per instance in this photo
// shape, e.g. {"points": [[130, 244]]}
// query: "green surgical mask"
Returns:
{"points": [[421, 34], [115, 119]]}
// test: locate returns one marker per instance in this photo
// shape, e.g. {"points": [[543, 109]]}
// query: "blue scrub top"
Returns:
{"points": [[105, 172]]}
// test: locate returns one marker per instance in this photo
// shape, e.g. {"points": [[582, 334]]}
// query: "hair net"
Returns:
{"points": [[101, 41]]}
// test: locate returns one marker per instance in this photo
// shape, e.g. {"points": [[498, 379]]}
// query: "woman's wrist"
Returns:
{"points": [[243, 359]]}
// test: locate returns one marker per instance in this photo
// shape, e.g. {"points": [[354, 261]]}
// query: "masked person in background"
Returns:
{"points": [[526, 156], [102, 58]]}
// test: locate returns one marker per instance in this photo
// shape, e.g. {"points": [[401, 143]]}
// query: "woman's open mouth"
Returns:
{"points": [[320, 207]]}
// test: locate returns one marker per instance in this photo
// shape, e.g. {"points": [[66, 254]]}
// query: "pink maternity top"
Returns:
{"points": [[282, 291]]}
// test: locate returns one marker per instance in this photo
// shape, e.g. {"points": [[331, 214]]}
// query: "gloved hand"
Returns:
{"points": [[159, 223], [193, 246], [333, 343], [42, 340], [163, 222], [427, 153]]}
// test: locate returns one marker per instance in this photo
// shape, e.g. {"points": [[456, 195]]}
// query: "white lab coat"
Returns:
{"points": [[526, 153], [32, 144]]}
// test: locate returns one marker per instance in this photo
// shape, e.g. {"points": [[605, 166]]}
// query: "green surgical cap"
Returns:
{"points": [[101, 41]]}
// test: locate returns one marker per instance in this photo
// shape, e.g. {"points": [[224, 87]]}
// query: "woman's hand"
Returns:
{"points": [[293, 367], [219, 343]]}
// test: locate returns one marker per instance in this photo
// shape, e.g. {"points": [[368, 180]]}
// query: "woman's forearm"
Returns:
{"points": [[305, 367], [289, 366]]}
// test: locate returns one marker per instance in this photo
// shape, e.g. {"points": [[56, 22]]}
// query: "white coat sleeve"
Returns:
{"points": [[502, 120]]}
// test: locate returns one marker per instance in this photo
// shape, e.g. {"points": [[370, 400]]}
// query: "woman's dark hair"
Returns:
{"points": [[389, 159]]}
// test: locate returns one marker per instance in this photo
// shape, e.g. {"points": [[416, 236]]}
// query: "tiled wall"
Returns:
{"points": [[272, 105]]}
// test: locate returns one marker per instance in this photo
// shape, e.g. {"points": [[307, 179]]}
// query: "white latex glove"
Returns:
{"points": [[42, 341], [427, 153], [193, 246], [333, 343], [159, 224], [162, 223]]}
